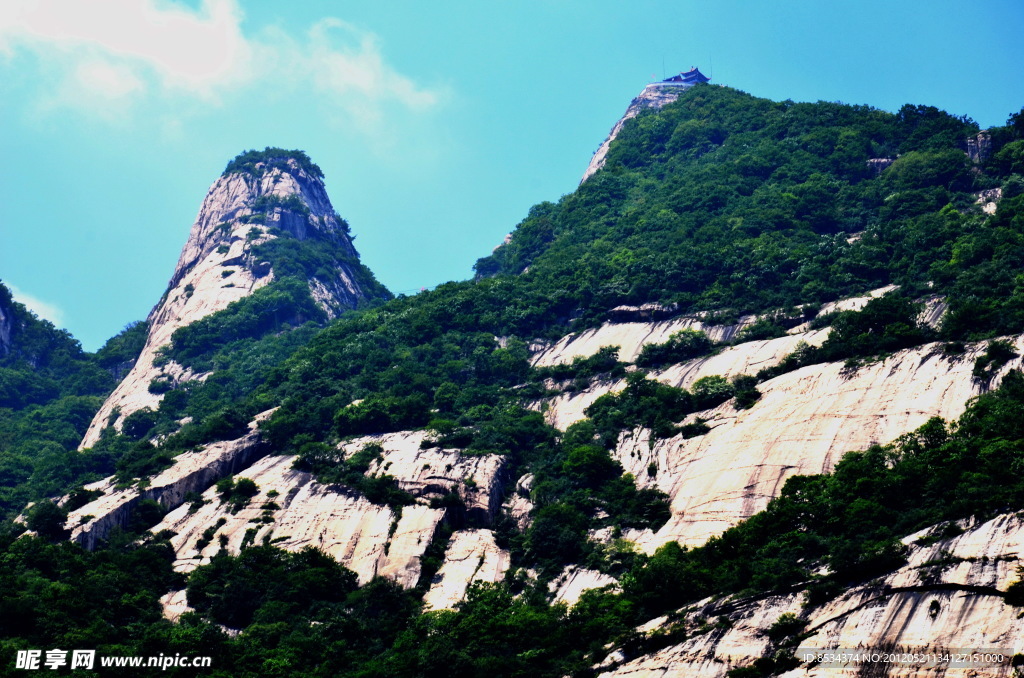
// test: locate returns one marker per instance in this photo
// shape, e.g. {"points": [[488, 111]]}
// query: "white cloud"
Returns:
{"points": [[98, 52], [41, 308]]}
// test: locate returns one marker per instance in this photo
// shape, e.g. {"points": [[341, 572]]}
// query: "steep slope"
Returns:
{"points": [[654, 96], [262, 199], [482, 446], [947, 599]]}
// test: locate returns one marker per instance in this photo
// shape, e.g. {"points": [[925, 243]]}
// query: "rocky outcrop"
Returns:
{"points": [[979, 146], [948, 597], [803, 424], [175, 604], [431, 473], [292, 511], [566, 409], [471, 556], [654, 96], [219, 265], [989, 199], [631, 337], [518, 505], [643, 312], [570, 585], [880, 164], [191, 472]]}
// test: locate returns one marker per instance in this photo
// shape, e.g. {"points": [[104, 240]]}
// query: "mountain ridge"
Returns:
{"points": [[642, 408]]}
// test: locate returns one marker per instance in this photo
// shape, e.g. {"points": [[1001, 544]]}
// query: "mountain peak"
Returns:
{"points": [[256, 163], [266, 218], [655, 95]]}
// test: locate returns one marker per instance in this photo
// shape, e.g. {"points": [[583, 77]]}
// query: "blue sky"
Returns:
{"points": [[437, 125]]}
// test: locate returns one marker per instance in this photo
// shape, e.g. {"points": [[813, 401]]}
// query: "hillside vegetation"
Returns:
{"points": [[722, 203], [49, 391]]}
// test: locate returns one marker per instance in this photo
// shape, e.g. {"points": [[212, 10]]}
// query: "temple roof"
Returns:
{"points": [[692, 76]]}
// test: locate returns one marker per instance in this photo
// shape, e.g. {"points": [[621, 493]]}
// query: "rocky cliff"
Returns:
{"points": [[803, 423], [655, 96], [947, 598], [220, 264], [293, 510]]}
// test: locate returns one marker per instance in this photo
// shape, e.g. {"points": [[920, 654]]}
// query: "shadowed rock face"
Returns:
{"points": [[6, 316], [218, 266]]}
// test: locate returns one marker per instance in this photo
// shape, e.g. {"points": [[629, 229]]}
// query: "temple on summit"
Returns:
{"points": [[690, 77]]}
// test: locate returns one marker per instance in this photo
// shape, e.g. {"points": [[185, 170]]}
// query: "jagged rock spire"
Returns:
{"points": [[273, 193]]}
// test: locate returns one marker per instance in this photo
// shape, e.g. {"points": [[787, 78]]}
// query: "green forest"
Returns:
{"points": [[720, 203]]}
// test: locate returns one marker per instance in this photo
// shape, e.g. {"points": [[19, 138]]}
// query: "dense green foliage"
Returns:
{"points": [[330, 467], [49, 391], [849, 520], [681, 346], [582, 370], [655, 406], [120, 352], [43, 363], [270, 158], [267, 309], [720, 202]]}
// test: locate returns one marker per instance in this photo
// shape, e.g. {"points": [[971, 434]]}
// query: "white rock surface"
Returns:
{"points": [[989, 200], [217, 267], [471, 556], [518, 504], [191, 472], [803, 424], [920, 607], [748, 358], [630, 337], [570, 585], [433, 472], [369, 539], [175, 604], [372, 540]]}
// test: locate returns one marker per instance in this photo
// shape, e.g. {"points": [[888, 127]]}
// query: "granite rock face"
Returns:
{"points": [[803, 424], [370, 539], [192, 472], [472, 556], [979, 146], [431, 472], [949, 596], [293, 510], [218, 265]]}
